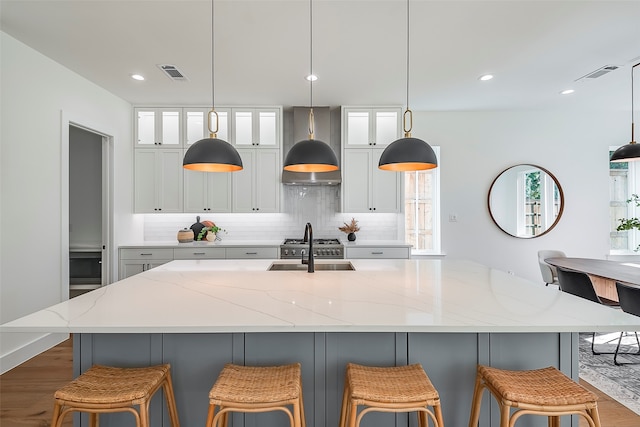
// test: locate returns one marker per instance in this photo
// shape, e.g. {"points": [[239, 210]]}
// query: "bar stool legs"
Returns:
{"points": [[257, 389], [546, 392], [389, 389]]}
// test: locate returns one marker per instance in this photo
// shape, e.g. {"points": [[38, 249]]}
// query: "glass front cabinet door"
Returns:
{"points": [[197, 124], [369, 127], [257, 127], [157, 127]]}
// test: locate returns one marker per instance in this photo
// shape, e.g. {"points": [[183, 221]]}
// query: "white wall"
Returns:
{"points": [[477, 146], [36, 93]]}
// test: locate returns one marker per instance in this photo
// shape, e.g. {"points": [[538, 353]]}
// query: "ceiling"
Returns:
{"points": [[535, 49]]}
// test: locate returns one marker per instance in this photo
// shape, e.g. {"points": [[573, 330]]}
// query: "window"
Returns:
{"points": [[539, 202], [624, 182], [422, 209]]}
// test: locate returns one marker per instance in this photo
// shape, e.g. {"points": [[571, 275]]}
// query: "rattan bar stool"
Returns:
{"points": [[104, 389], [545, 391], [389, 389], [257, 389]]}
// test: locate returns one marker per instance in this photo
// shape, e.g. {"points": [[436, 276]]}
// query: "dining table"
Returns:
{"points": [[603, 273]]}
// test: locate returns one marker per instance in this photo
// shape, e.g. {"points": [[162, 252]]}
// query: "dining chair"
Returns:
{"points": [[549, 272], [629, 297], [579, 284]]}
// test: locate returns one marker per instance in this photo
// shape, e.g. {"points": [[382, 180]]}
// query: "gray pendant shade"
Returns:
{"points": [[408, 154], [631, 151], [212, 155], [311, 155], [627, 153]]}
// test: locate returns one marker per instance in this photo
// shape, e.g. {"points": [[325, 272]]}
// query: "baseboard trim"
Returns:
{"points": [[20, 355]]}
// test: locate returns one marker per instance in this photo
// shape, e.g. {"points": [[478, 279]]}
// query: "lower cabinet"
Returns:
{"points": [[378, 252], [199, 253], [252, 253], [137, 260]]}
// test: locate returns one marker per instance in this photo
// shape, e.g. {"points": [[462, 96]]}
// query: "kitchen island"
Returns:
{"points": [[447, 315]]}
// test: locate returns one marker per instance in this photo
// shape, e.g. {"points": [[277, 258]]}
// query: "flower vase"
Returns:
{"points": [[351, 237]]}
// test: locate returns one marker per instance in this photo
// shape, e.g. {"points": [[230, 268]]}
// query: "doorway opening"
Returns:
{"points": [[89, 207]]}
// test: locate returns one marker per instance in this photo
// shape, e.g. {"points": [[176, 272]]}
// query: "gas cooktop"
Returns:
{"points": [[322, 248], [315, 242]]}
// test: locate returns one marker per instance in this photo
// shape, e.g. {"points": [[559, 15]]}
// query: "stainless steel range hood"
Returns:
{"points": [[322, 132], [311, 178]]}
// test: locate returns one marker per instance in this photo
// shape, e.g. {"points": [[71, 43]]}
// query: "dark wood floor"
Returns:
{"points": [[26, 393]]}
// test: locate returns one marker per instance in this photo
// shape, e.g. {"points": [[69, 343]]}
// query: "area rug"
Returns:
{"points": [[620, 382]]}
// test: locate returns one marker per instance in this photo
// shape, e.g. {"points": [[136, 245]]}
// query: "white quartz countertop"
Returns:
{"points": [[380, 296]]}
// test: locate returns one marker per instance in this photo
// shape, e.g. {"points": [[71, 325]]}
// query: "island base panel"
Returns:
{"points": [[449, 359]]}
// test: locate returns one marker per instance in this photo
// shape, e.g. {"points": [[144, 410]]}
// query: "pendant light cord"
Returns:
{"points": [[311, 52], [632, 118], [408, 54], [212, 54], [407, 113]]}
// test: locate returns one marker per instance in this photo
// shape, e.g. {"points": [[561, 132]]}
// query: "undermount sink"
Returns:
{"points": [[334, 266]]}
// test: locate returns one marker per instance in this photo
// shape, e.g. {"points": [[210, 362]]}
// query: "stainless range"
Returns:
{"points": [[322, 249]]}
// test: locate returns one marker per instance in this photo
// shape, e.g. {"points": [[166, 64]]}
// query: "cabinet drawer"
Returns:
{"points": [[198, 253], [146, 253], [252, 253], [388, 253]]}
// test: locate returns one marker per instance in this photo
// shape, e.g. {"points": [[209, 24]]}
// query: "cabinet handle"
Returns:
{"points": [[251, 253], [198, 253], [143, 254], [377, 253]]}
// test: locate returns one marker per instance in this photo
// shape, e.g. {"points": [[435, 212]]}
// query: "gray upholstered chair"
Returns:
{"points": [[549, 273], [629, 297]]}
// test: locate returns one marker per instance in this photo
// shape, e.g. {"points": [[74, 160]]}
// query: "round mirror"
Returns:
{"points": [[526, 201]]}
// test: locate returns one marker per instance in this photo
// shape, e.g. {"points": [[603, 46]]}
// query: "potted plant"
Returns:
{"points": [[210, 233], [351, 229], [627, 224]]}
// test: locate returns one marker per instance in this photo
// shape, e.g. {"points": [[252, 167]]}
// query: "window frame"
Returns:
{"points": [[633, 187], [436, 215]]}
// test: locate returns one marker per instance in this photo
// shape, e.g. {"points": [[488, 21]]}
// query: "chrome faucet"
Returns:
{"points": [[308, 237]]}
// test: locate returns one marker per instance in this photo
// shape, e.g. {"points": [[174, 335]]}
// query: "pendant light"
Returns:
{"points": [[631, 151], [212, 154], [311, 155], [408, 154]]}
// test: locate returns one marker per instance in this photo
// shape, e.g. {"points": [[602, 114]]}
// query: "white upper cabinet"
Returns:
{"points": [[256, 188], [369, 127], [155, 127], [366, 131], [367, 188], [158, 181], [207, 191], [257, 127], [197, 125]]}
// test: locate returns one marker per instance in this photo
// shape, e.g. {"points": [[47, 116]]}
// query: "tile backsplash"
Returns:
{"points": [[318, 205]]}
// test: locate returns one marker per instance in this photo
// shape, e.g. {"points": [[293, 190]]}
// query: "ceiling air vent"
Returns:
{"points": [[172, 72], [600, 72]]}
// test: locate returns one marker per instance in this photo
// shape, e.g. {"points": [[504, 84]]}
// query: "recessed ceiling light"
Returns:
{"points": [[486, 77], [312, 77], [567, 91], [137, 77]]}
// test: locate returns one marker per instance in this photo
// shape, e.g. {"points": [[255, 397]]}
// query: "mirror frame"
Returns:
{"points": [[560, 191]]}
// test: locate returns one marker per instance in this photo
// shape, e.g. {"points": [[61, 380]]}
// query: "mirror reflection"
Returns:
{"points": [[526, 201]]}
